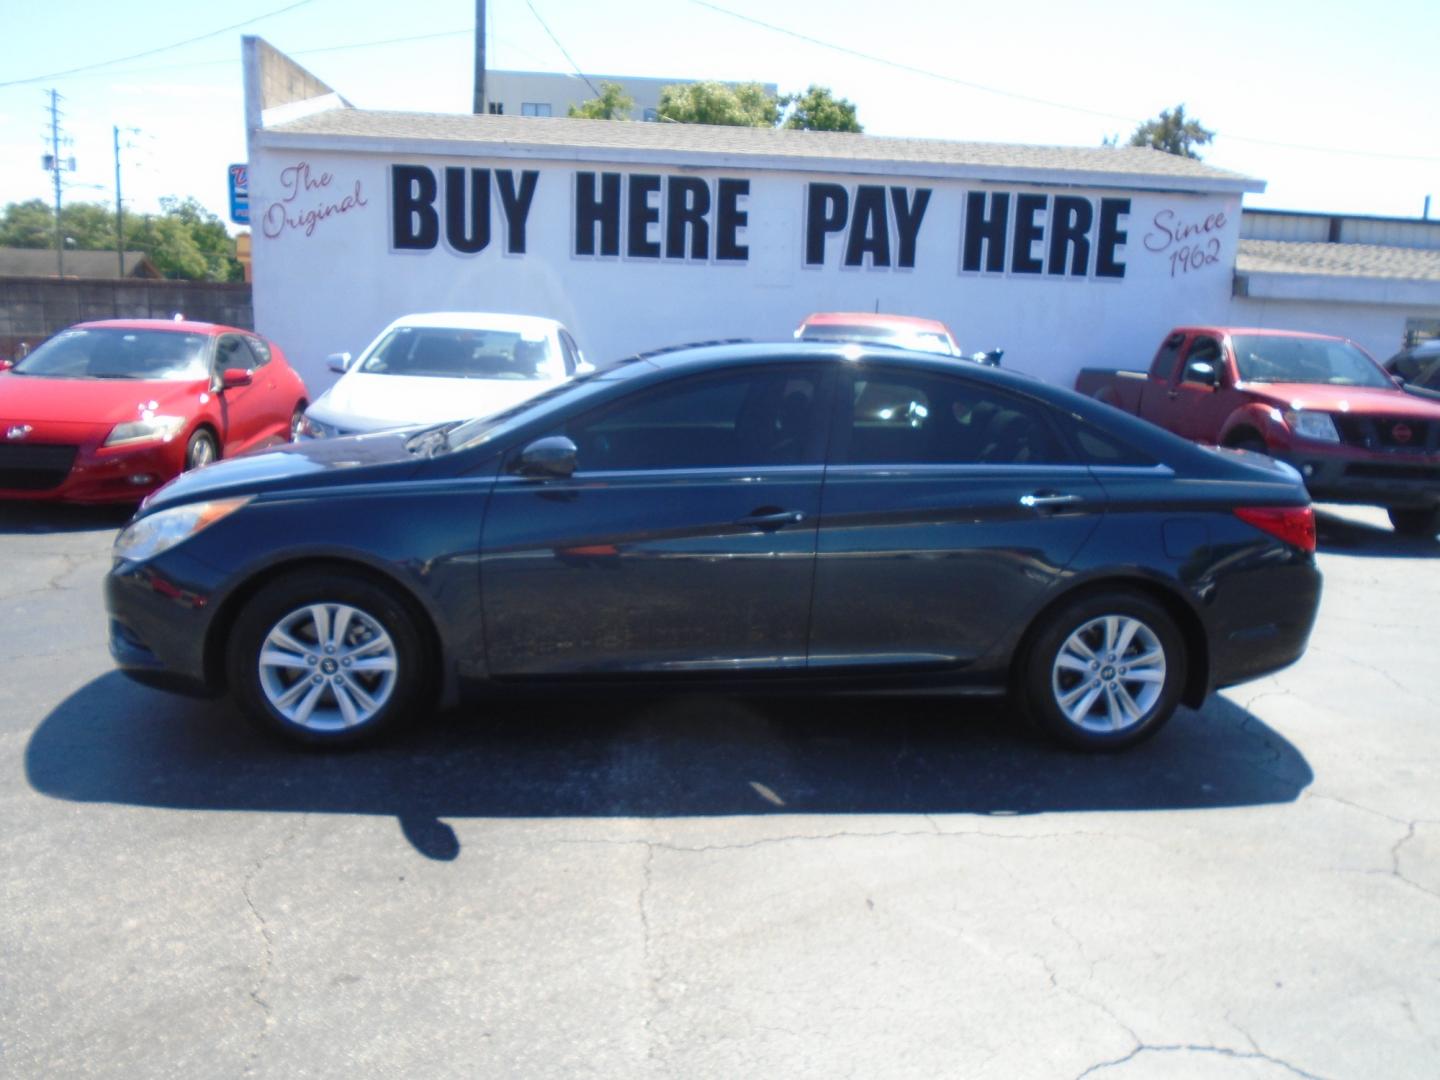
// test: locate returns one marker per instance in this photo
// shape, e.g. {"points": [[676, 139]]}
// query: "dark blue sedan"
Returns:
{"points": [[826, 516]]}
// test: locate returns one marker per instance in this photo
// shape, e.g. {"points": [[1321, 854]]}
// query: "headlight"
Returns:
{"points": [[314, 429], [1312, 425], [153, 429], [164, 529]]}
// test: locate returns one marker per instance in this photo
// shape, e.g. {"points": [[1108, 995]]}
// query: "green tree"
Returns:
{"points": [[29, 224], [817, 109], [183, 241], [1172, 132], [612, 104], [740, 105]]}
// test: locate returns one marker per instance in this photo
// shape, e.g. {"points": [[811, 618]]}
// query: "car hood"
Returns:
{"points": [[370, 402], [95, 401], [1359, 400], [321, 463]]}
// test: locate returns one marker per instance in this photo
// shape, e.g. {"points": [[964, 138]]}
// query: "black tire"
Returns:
{"points": [[202, 449], [396, 695], [1409, 521], [1249, 441], [1043, 681]]}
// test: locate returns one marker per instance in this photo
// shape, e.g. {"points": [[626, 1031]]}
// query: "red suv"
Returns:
{"points": [[108, 411]]}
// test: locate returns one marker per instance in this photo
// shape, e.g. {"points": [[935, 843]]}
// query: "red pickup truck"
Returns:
{"points": [[1319, 403]]}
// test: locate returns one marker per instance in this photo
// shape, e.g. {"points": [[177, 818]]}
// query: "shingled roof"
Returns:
{"points": [[1337, 260], [606, 140], [40, 262]]}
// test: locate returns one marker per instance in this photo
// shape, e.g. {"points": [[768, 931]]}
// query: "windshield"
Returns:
{"points": [[922, 340], [112, 353], [1304, 360], [453, 353]]}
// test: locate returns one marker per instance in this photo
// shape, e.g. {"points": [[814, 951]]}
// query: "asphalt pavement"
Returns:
{"points": [[717, 888]]}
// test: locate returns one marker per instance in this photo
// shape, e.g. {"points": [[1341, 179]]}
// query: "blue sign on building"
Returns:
{"points": [[240, 194]]}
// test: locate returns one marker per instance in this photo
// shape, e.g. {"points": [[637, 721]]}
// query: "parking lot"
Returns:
{"points": [[716, 888]]}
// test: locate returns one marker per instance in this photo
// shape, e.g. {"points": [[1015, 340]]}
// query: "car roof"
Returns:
{"points": [[1255, 331], [179, 326], [478, 320], [871, 318]]}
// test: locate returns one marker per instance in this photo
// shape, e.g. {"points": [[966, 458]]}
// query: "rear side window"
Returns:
{"points": [[1164, 365], [1101, 448], [916, 418]]}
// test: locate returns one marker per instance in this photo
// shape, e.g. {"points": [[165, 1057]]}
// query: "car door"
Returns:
{"points": [[949, 507], [684, 542], [244, 410], [1199, 391]]}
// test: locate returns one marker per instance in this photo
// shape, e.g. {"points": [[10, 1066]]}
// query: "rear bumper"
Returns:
{"points": [[1262, 625]]}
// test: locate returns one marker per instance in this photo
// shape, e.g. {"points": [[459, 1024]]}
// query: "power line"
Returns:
{"points": [[159, 49], [556, 40], [1030, 99]]}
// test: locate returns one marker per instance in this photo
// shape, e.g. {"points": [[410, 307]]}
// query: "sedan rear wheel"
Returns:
{"points": [[1104, 672], [326, 659]]}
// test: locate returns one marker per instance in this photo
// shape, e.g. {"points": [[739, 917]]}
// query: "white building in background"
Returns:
{"points": [[546, 93], [642, 235]]}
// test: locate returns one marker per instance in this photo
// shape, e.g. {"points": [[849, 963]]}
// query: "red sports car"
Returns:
{"points": [[108, 411]]}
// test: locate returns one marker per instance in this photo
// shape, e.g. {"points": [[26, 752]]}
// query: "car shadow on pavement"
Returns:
{"points": [[1338, 535], [116, 742], [23, 517]]}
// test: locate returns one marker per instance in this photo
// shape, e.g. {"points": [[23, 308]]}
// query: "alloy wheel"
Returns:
{"points": [[1109, 674], [327, 667]]}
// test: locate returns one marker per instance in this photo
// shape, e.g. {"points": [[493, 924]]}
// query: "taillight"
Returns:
{"points": [[1293, 524]]}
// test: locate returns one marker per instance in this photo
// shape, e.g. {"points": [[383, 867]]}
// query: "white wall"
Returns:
{"points": [[330, 283]]}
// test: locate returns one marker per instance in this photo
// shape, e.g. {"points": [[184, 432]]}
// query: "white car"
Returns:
{"points": [[432, 368]]}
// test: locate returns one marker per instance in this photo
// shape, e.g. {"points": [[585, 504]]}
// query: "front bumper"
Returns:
{"points": [[158, 628], [96, 475], [1348, 475]]}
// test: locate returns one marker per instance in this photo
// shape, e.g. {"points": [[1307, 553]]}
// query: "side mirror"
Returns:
{"points": [[550, 458], [234, 377], [1204, 373], [338, 362], [989, 359]]}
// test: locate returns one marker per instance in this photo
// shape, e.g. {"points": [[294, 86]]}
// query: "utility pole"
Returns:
{"points": [[480, 102], [55, 172], [119, 207]]}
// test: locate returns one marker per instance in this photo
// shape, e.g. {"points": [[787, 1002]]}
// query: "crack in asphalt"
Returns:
{"points": [[1198, 1048], [267, 958], [1347, 658]]}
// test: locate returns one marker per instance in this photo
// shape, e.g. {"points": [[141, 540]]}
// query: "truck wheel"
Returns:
{"points": [[1412, 522], [1249, 441]]}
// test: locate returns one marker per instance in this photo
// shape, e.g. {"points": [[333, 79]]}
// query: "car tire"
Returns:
{"points": [[1071, 688], [296, 653], [1250, 442], [201, 450], [297, 421], [1415, 522]]}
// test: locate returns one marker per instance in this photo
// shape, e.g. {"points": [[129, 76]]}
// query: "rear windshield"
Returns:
{"points": [[1262, 358], [922, 340], [451, 353], [111, 353]]}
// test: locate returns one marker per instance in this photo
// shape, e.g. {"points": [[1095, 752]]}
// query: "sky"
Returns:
{"points": [[1332, 103]]}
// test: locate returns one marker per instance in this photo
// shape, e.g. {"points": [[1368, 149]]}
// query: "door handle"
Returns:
{"points": [[766, 518], [1044, 500], [1172, 394]]}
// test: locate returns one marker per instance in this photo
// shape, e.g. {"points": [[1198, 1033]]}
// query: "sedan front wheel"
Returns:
{"points": [[1104, 672], [326, 659]]}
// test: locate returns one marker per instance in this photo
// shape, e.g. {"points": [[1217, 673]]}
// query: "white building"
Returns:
{"points": [[546, 93], [642, 235]]}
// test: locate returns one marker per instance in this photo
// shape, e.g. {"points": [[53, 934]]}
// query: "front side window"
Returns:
{"points": [[1276, 359], [1205, 350], [759, 418], [452, 353], [915, 418], [114, 353]]}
